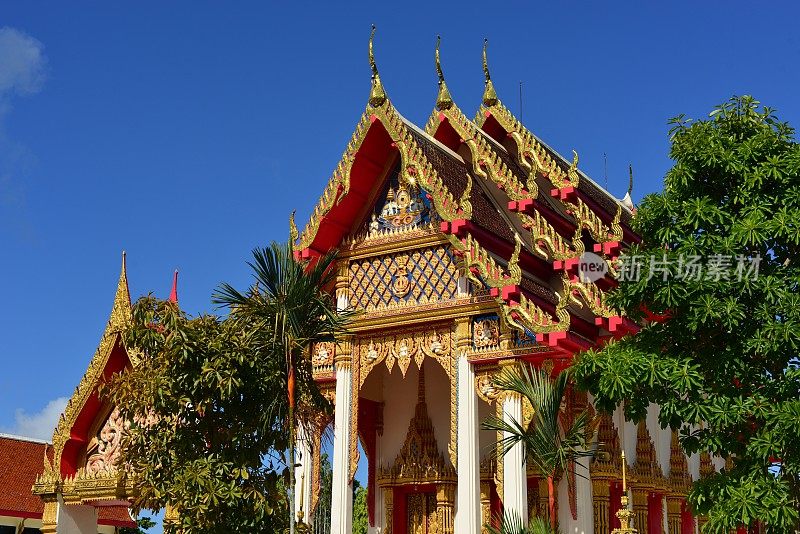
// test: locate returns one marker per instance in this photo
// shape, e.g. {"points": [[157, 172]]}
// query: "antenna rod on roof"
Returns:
{"points": [[605, 169], [520, 100]]}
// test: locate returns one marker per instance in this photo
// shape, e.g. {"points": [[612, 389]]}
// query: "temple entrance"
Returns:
{"points": [[419, 487], [421, 513]]}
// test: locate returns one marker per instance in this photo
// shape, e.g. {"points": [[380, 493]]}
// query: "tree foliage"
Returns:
{"points": [[142, 524], [718, 350], [208, 399], [360, 514]]}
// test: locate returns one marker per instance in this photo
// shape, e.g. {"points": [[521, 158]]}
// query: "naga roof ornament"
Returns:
{"points": [[489, 94], [377, 95], [443, 99], [627, 200]]}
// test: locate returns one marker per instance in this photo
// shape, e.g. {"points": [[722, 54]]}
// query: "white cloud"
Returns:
{"points": [[22, 73], [22, 63], [39, 425]]}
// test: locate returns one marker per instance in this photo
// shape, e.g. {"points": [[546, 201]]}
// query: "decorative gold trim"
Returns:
{"points": [[118, 321]]}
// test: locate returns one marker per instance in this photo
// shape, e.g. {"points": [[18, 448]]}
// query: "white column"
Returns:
{"points": [[468, 495], [515, 483], [302, 474], [76, 519], [583, 497], [342, 493]]}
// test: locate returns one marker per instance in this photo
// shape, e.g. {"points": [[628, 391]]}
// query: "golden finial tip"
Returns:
{"points": [[377, 95], [489, 94], [443, 99]]}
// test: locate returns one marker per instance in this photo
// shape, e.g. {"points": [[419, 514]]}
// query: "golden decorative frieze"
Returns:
{"points": [[486, 332], [402, 348]]}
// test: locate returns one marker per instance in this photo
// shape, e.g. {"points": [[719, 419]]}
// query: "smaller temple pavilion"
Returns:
{"points": [[20, 510], [80, 489]]}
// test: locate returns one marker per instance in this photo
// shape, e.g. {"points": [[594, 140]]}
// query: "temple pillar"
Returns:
{"points": [[468, 504], [444, 506], [640, 509], [674, 516], [515, 484], [50, 517], [388, 502], [342, 492], [583, 496], [486, 505], [302, 476], [76, 519]]}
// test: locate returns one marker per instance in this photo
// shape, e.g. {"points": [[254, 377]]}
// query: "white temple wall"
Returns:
{"points": [[662, 438], [76, 519], [400, 399], [628, 432]]}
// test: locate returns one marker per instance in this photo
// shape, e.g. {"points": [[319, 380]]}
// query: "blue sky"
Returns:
{"points": [[186, 132]]}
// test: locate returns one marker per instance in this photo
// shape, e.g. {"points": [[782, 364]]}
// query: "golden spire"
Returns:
{"points": [[624, 514], [121, 312], [443, 99], [630, 179], [489, 94], [293, 233], [377, 95]]}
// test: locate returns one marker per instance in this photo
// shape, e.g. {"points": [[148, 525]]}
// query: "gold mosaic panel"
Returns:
{"points": [[407, 278]]}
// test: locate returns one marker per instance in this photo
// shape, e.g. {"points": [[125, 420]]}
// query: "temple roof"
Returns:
{"points": [[518, 212], [21, 461]]}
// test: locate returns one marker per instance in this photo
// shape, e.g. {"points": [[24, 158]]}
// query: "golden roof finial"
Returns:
{"points": [[377, 95], [293, 233], [443, 99], [624, 514], [121, 311], [489, 94], [630, 179]]}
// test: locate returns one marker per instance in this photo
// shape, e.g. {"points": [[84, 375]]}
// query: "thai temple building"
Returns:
{"points": [[461, 243]]}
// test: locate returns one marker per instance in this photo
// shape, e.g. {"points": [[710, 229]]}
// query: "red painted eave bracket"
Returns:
{"points": [[458, 227], [565, 194], [611, 248], [569, 265], [509, 294], [566, 341], [618, 326]]}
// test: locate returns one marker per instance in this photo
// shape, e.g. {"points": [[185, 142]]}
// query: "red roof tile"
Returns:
{"points": [[21, 460]]}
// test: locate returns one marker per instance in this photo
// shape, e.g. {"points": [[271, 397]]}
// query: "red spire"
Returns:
{"points": [[173, 295]]}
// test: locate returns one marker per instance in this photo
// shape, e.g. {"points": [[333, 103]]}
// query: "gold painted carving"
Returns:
{"points": [[102, 456]]}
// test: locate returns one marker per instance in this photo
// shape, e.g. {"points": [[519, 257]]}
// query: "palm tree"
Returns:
{"points": [[290, 306], [547, 446], [513, 524]]}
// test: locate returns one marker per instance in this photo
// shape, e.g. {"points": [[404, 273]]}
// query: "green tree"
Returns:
{"points": [[718, 350], [142, 524], [548, 446], [360, 515], [209, 400]]}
